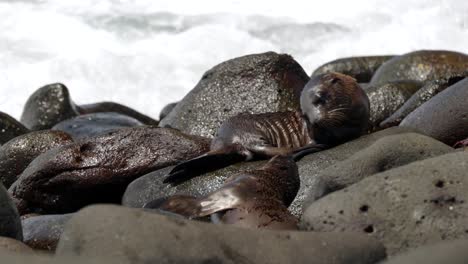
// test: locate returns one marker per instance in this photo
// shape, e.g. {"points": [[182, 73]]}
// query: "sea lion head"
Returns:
{"points": [[336, 107]]}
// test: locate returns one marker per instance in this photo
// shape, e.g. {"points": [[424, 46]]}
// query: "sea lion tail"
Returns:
{"points": [[207, 162], [299, 153], [185, 205]]}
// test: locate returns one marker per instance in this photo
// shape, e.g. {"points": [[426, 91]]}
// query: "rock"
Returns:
{"points": [[96, 124], [48, 106], [361, 68], [10, 128], [386, 153], [387, 98], [421, 96], [10, 223], [445, 116], [17, 153], [166, 110], [99, 169], [413, 205], [13, 245], [135, 236], [116, 108], [24, 258], [453, 252], [258, 83], [422, 65], [43, 232]]}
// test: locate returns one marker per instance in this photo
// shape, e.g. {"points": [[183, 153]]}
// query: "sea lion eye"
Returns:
{"points": [[318, 99], [335, 80]]}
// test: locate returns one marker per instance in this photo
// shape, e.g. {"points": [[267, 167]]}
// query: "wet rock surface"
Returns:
{"points": [[17, 153], [422, 65], [10, 128], [258, 83], [445, 116], [105, 107], [417, 204], [96, 124], [10, 223], [386, 153], [43, 232], [361, 68], [135, 236], [47, 106], [99, 169], [14, 246]]}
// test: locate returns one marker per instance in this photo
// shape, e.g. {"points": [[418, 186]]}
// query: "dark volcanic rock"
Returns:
{"points": [[259, 83], [386, 153], [453, 252], [43, 232], [47, 106], [99, 169], [10, 223], [136, 237], [421, 96], [10, 128], [13, 245], [445, 116], [387, 98], [17, 153], [166, 110], [423, 65], [116, 108], [361, 68], [96, 124], [406, 207]]}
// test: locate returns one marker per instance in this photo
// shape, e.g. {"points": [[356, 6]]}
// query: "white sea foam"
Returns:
{"points": [[148, 53]]}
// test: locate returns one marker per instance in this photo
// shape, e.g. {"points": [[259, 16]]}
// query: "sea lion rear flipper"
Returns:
{"points": [[184, 205], [210, 161], [307, 149]]}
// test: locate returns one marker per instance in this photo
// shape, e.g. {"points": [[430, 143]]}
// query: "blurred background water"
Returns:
{"points": [[147, 53]]}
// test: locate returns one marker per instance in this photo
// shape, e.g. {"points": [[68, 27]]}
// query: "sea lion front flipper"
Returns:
{"points": [[184, 205], [307, 149]]}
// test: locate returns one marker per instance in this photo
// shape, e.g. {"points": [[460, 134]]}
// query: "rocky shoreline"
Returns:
{"points": [[75, 178]]}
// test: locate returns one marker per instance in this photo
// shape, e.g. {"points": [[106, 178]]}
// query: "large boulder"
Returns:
{"points": [[10, 223], [10, 128], [413, 205], [98, 169], [258, 83], [17, 153], [445, 116], [135, 236], [422, 65]]}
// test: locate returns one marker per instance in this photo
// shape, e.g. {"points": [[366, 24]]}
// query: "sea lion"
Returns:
{"points": [[255, 199], [334, 109]]}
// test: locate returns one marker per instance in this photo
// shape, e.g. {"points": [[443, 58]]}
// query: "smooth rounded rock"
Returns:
{"points": [[43, 232], [445, 116], [99, 169], [259, 83], [166, 110], [422, 65], [136, 237], [10, 223], [360, 68], [10, 128], [13, 245], [105, 107], [386, 153], [17, 153], [406, 207], [48, 106], [96, 124]]}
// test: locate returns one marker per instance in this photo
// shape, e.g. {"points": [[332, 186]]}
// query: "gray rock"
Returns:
{"points": [[166, 110], [422, 65], [361, 68], [135, 236], [413, 205], [48, 106], [258, 83], [43, 232], [453, 252], [96, 124], [386, 153], [105, 107], [24, 258], [17, 153], [14, 246], [445, 116], [10, 128], [10, 223]]}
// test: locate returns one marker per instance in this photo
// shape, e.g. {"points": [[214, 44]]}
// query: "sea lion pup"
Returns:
{"points": [[334, 109], [255, 198]]}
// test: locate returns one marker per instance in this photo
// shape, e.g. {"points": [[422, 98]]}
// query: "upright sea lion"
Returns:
{"points": [[334, 109], [255, 198]]}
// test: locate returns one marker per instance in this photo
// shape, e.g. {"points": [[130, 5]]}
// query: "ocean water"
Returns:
{"points": [[148, 53]]}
